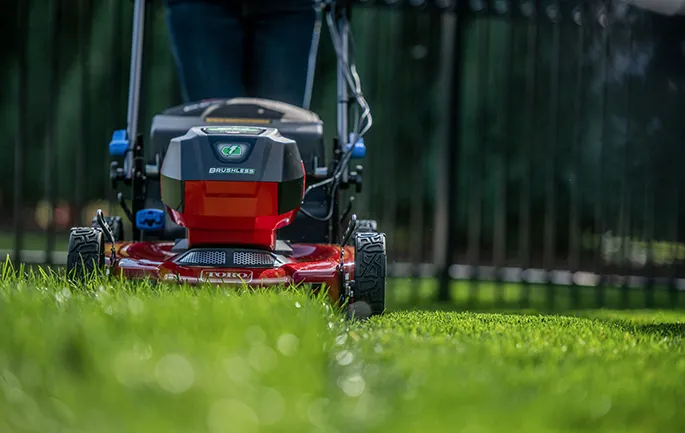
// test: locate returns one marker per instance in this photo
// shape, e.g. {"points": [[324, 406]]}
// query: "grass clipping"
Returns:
{"points": [[115, 356]]}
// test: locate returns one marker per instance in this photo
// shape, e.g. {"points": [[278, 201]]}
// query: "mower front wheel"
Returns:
{"points": [[86, 254], [370, 271]]}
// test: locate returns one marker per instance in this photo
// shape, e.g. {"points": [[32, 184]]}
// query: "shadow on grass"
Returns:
{"points": [[659, 313], [670, 330]]}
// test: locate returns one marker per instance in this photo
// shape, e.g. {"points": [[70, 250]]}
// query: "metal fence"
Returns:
{"points": [[530, 149]]}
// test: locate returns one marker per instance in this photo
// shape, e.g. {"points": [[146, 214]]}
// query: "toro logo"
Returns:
{"points": [[227, 276]]}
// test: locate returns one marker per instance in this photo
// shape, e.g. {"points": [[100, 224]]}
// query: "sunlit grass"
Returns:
{"points": [[115, 356]]}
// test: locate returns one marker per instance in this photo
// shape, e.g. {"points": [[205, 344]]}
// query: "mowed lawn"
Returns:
{"points": [[133, 358]]}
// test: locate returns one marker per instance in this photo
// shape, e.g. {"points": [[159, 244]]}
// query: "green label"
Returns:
{"points": [[232, 150]]}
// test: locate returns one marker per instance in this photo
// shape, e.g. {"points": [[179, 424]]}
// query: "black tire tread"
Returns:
{"points": [[86, 252], [370, 270]]}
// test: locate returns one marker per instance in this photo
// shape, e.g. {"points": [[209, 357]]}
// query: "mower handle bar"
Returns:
{"points": [[135, 71]]}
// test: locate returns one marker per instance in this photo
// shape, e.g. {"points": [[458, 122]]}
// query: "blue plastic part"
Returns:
{"points": [[359, 150], [119, 144], [150, 219]]}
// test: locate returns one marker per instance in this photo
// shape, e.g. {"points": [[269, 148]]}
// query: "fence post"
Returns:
{"points": [[51, 176], [23, 8], [446, 188]]}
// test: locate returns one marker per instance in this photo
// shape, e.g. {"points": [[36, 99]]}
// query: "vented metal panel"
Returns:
{"points": [[204, 258], [228, 257], [248, 258]]}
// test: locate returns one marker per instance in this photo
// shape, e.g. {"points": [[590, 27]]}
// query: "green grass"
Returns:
{"points": [[137, 358], [486, 296]]}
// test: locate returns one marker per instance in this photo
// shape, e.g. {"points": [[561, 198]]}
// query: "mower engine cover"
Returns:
{"points": [[232, 185]]}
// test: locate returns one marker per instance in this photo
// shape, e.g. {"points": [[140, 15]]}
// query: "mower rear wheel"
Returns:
{"points": [[370, 271], [115, 224], [86, 254], [367, 226]]}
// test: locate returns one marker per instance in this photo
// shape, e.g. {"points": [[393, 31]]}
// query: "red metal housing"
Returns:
{"points": [[232, 213], [314, 264]]}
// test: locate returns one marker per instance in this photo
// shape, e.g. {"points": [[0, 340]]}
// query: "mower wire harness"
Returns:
{"points": [[364, 120]]}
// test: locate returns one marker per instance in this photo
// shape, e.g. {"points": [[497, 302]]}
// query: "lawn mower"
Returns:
{"points": [[238, 192]]}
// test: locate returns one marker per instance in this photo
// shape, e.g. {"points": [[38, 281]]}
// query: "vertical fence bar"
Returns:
{"points": [[549, 247], [669, 259], [649, 234], [529, 11], [600, 225], [23, 8], [674, 266], [579, 19], [624, 220], [390, 196], [499, 241], [416, 218], [648, 227], [147, 66], [400, 102], [397, 111], [624, 213], [441, 213], [51, 177], [375, 188], [82, 146], [125, 28], [476, 156], [367, 26], [647, 203], [450, 158], [117, 102]]}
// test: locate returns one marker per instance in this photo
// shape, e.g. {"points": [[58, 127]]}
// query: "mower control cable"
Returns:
{"points": [[351, 75], [335, 179], [108, 234], [351, 228], [354, 83]]}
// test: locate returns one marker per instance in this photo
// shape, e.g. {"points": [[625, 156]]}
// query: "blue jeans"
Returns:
{"points": [[241, 48]]}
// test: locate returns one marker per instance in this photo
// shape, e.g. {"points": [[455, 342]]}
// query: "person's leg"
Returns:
{"points": [[207, 44], [278, 48]]}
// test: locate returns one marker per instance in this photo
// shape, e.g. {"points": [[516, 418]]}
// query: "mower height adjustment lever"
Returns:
{"points": [[122, 202], [355, 178], [320, 173], [116, 174]]}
